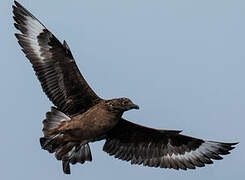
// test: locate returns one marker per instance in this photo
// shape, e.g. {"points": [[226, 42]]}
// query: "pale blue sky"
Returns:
{"points": [[182, 61]]}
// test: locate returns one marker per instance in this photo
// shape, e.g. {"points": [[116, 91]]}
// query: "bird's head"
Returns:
{"points": [[120, 105]]}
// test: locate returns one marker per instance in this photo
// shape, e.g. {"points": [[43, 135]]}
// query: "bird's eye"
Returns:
{"points": [[124, 102]]}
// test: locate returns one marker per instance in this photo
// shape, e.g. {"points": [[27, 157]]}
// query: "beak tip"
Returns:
{"points": [[136, 107]]}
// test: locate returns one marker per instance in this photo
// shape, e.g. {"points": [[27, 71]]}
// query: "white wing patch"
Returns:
{"points": [[34, 28], [206, 148]]}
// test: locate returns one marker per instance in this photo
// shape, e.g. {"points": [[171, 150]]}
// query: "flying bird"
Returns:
{"points": [[80, 116]]}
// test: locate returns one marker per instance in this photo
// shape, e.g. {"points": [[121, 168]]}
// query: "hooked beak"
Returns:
{"points": [[134, 106]]}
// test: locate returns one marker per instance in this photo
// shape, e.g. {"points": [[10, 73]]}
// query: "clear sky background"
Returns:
{"points": [[182, 61]]}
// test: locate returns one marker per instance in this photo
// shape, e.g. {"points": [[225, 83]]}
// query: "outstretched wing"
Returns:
{"points": [[161, 148], [54, 64]]}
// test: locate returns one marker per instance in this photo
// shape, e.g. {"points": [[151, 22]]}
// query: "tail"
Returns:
{"points": [[53, 141]]}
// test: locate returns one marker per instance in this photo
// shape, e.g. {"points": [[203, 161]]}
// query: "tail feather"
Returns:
{"points": [[68, 152], [63, 150], [45, 145], [50, 144], [78, 154], [53, 120]]}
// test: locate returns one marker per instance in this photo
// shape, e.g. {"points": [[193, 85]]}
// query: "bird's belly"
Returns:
{"points": [[92, 129]]}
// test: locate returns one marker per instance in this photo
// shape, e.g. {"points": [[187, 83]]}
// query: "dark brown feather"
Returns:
{"points": [[80, 116], [161, 148], [54, 65]]}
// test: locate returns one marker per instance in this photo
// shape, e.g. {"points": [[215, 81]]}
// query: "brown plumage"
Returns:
{"points": [[80, 116]]}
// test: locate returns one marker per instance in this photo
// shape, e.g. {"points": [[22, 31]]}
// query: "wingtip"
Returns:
{"points": [[17, 35], [17, 4], [14, 7], [231, 144]]}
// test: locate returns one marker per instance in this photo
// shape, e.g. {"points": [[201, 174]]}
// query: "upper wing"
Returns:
{"points": [[161, 148], [54, 64]]}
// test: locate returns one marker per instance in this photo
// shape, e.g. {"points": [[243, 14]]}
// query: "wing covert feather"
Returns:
{"points": [[161, 148], [54, 64]]}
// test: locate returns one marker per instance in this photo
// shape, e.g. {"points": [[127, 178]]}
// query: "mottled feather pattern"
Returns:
{"points": [[53, 120], [68, 152], [159, 148], [54, 65], [81, 117]]}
